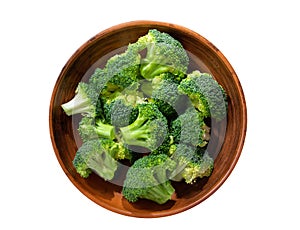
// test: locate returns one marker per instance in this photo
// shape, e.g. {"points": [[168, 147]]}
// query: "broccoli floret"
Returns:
{"points": [[84, 101], [116, 149], [166, 96], [121, 110], [93, 157], [148, 130], [90, 128], [189, 128], [148, 178], [167, 147], [163, 54], [98, 80], [190, 165], [121, 70], [205, 94]]}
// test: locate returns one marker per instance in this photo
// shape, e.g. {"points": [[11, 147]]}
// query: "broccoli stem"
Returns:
{"points": [[152, 69], [160, 193], [103, 165], [135, 133], [105, 130], [176, 175], [77, 105]]}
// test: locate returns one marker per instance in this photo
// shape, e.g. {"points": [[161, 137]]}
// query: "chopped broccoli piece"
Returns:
{"points": [[190, 165], [148, 130], [166, 96], [91, 128], [189, 128], [122, 70], [98, 80], [84, 101], [116, 149], [163, 54], [205, 94], [148, 178], [93, 157], [121, 110]]}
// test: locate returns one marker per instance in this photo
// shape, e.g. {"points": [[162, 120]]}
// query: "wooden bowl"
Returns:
{"points": [[227, 139]]}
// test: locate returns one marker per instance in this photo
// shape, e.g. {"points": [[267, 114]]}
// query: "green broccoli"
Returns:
{"points": [[90, 128], [92, 156], [148, 130], [163, 54], [121, 110], [144, 110], [166, 147], [205, 94], [99, 81], [121, 70], [148, 178], [84, 102], [189, 128], [166, 96], [190, 165], [116, 149]]}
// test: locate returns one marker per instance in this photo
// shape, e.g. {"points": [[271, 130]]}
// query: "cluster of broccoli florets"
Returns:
{"points": [[145, 108]]}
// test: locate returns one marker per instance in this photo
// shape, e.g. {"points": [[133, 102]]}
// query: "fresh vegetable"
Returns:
{"points": [[84, 102], [148, 178], [190, 165], [92, 156], [163, 54], [148, 130], [205, 94], [190, 128], [165, 94], [147, 110]]}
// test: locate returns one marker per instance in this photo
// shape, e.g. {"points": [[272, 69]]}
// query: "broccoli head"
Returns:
{"points": [[205, 94], [92, 156], [121, 110], [189, 128], [163, 54], [148, 130], [190, 165], [122, 70], [148, 178], [166, 96]]}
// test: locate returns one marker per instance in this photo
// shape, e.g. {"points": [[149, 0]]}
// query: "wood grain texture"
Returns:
{"points": [[227, 143]]}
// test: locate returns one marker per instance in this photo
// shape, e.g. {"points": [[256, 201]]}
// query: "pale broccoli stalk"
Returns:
{"points": [[82, 102]]}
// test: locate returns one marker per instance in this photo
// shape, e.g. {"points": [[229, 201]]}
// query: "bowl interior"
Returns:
{"points": [[226, 144]]}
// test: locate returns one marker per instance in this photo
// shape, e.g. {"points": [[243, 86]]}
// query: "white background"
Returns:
{"points": [[259, 38]]}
